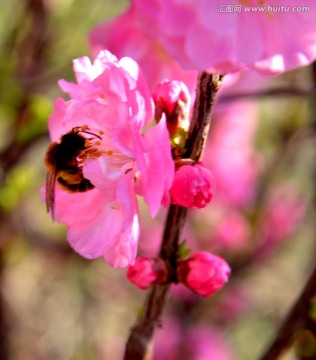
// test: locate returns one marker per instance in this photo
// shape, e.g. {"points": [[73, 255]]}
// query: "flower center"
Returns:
{"points": [[101, 144]]}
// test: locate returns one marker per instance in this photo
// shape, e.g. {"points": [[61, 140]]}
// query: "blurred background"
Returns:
{"points": [[56, 305]]}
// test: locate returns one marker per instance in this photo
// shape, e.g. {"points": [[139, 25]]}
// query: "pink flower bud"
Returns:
{"points": [[203, 273], [193, 186], [146, 271], [172, 98]]}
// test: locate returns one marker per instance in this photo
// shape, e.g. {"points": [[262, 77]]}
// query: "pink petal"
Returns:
{"points": [[160, 166]]}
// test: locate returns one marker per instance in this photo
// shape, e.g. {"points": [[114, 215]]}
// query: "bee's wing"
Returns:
{"points": [[50, 192]]}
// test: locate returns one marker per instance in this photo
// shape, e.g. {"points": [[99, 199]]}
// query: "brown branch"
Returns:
{"points": [[270, 93], [138, 344], [299, 317], [294, 321], [31, 50], [29, 47], [208, 86]]}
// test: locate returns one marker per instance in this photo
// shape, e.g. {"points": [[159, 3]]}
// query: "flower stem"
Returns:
{"points": [[138, 345]]}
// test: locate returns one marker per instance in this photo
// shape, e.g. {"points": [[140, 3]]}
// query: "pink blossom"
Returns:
{"points": [[231, 154], [281, 217], [168, 339], [111, 99], [174, 340], [145, 272], [125, 36], [173, 99], [203, 34], [232, 305], [232, 231], [206, 343], [193, 186], [203, 273]]}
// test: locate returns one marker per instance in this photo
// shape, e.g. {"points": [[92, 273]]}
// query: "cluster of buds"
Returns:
{"points": [[194, 185], [203, 273]]}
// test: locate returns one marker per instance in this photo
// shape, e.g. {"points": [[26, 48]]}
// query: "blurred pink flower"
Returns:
{"points": [[125, 36], [203, 34], [145, 271], [281, 217], [206, 343], [232, 231], [168, 340], [231, 154], [111, 99], [193, 186], [173, 341], [203, 273], [232, 305]]}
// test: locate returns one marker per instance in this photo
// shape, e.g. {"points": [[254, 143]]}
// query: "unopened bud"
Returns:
{"points": [[193, 186], [146, 271], [172, 98], [203, 273]]}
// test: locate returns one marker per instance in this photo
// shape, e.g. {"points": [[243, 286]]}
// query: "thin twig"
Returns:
{"points": [[138, 344]]}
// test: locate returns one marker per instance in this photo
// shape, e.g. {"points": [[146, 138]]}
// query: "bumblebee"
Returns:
{"points": [[64, 161]]}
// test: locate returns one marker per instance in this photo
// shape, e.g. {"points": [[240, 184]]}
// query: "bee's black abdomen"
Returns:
{"points": [[83, 186]]}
